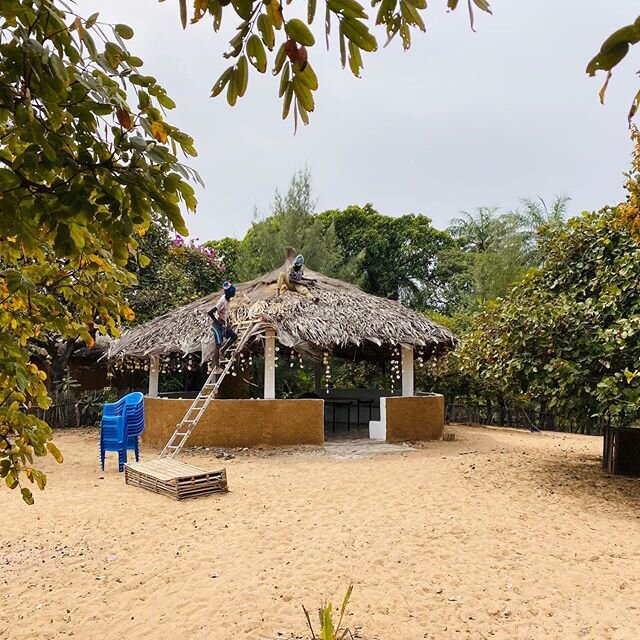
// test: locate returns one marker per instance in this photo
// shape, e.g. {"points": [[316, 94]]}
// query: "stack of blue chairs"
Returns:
{"points": [[122, 424]]}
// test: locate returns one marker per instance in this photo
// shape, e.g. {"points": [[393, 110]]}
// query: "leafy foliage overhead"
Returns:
{"points": [[82, 172], [612, 52], [268, 29]]}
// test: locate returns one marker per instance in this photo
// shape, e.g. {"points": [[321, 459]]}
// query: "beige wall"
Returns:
{"points": [[415, 418], [238, 423]]}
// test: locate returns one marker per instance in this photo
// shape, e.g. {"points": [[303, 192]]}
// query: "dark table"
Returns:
{"points": [[339, 403], [348, 402], [364, 403]]}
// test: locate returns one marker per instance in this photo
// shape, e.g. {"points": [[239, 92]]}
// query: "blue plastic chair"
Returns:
{"points": [[112, 432], [134, 421], [122, 423]]}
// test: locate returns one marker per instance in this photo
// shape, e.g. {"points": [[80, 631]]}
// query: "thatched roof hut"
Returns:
{"points": [[345, 321]]}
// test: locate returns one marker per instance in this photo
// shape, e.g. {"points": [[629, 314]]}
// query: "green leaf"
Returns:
{"points": [[77, 234], [286, 104], [386, 11], [55, 452], [483, 5], [87, 39], [284, 80], [411, 15], [5, 465], [626, 35], [347, 8], [299, 32], [311, 10], [222, 81], [241, 77], [40, 479], [232, 92], [256, 53], [91, 20], [58, 68], [358, 33], [27, 495], [281, 57], [124, 31], [244, 8], [308, 77], [355, 59], [17, 282], [265, 27], [303, 93]]}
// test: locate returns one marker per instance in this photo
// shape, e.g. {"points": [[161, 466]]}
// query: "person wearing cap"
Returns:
{"points": [[223, 333], [293, 279]]}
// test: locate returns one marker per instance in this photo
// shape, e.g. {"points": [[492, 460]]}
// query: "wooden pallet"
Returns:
{"points": [[621, 451], [175, 479]]}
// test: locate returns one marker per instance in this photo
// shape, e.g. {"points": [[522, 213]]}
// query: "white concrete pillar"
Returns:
{"points": [[270, 365], [407, 370], [154, 376]]}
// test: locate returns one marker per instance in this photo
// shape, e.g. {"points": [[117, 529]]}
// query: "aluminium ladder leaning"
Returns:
{"points": [[208, 392]]}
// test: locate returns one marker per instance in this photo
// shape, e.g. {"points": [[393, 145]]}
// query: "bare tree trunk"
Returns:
{"points": [[59, 358]]}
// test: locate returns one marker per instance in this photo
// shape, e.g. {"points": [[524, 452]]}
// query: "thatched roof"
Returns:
{"points": [[345, 320]]}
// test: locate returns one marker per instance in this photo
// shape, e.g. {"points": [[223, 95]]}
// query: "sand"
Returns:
{"points": [[498, 534]]}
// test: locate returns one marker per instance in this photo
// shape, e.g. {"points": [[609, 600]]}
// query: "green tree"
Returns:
{"points": [[482, 231], [398, 257], [535, 215], [82, 173], [179, 273], [567, 336], [227, 253], [496, 245], [534, 219], [291, 223], [502, 246]]}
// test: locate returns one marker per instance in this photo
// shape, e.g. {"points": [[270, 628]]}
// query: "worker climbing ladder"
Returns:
{"points": [[208, 392], [179, 480]]}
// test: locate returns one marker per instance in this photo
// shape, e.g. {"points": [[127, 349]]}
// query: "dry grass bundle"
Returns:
{"points": [[344, 320]]}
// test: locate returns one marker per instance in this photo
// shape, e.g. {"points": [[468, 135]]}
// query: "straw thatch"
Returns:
{"points": [[345, 320]]}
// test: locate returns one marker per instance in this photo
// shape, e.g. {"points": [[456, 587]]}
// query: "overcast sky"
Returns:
{"points": [[461, 120]]}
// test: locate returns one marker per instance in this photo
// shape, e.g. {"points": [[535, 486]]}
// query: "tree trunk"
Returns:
{"points": [[59, 360], [502, 410]]}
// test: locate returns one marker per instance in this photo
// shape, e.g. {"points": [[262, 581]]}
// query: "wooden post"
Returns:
{"points": [[270, 365], [407, 370], [154, 376]]}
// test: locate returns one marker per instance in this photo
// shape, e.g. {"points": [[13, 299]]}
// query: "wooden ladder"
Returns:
{"points": [[208, 392]]}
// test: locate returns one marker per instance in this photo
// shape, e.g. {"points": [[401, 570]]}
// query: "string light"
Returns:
{"points": [[327, 369], [394, 367]]}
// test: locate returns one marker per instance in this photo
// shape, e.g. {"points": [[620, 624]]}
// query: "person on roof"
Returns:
{"points": [[293, 279], [223, 333]]}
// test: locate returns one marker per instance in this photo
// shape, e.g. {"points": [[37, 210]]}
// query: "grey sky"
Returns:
{"points": [[461, 120]]}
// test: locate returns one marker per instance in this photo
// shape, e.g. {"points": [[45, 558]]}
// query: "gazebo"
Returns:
{"points": [[344, 321]]}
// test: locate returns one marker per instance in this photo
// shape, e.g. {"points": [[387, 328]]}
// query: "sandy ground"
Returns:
{"points": [[498, 534]]}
